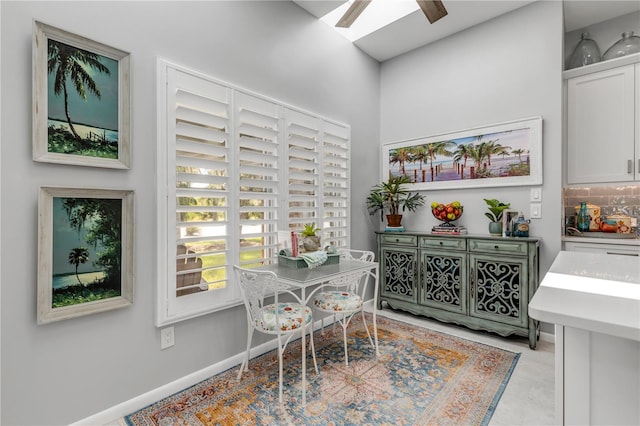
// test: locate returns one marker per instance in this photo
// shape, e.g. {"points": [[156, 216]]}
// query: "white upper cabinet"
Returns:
{"points": [[603, 119]]}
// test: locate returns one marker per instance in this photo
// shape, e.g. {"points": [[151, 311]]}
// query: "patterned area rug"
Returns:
{"points": [[421, 377]]}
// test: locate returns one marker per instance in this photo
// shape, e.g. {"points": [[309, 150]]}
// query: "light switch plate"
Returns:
{"points": [[536, 211], [536, 195]]}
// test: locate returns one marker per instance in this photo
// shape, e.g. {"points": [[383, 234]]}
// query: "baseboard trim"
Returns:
{"points": [[118, 411], [547, 337], [113, 414]]}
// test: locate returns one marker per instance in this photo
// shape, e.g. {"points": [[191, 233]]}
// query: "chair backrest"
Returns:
{"points": [[357, 281], [364, 255], [255, 286]]}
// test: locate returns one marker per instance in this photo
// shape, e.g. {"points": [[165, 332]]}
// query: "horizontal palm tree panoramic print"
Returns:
{"points": [[82, 102], [492, 155]]}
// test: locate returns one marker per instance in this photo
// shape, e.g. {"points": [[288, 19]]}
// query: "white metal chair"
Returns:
{"points": [[346, 297], [284, 319]]}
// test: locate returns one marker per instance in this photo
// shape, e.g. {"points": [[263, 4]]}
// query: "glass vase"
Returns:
{"points": [[627, 45], [583, 221], [585, 53]]}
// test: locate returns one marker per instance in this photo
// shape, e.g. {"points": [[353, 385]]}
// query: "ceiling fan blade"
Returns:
{"points": [[433, 9], [356, 8]]}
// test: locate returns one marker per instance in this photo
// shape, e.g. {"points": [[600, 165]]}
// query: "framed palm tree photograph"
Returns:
{"points": [[81, 100], [85, 251], [503, 154]]}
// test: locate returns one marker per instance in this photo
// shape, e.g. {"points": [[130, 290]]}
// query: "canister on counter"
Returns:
{"points": [[594, 216], [622, 221]]}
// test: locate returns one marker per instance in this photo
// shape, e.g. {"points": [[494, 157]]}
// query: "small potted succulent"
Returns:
{"points": [[310, 237], [496, 210]]}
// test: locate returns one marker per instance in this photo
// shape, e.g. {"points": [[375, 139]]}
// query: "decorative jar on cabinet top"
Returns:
{"points": [[627, 45], [585, 53]]}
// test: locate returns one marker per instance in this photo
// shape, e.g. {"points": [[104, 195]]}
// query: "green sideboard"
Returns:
{"points": [[478, 281]]}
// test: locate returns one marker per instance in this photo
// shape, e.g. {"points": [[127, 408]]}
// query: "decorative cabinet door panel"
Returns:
{"points": [[444, 280], [499, 288], [399, 273]]}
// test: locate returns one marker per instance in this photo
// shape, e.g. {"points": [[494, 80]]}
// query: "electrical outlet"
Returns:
{"points": [[536, 211], [166, 338]]}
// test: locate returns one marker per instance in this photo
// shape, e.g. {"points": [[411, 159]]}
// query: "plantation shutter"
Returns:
{"points": [[258, 136], [336, 190], [198, 151], [303, 177], [234, 169]]}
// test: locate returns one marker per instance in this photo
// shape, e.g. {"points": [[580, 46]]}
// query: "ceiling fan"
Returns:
{"points": [[433, 10]]}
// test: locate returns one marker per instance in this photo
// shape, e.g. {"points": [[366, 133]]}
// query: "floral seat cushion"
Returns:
{"points": [[290, 315], [338, 301]]}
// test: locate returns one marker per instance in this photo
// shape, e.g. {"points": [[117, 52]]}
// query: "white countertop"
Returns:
{"points": [[592, 292]]}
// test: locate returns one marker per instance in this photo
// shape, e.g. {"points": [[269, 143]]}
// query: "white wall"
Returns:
{"points": [[506, 69], [62, 372]]}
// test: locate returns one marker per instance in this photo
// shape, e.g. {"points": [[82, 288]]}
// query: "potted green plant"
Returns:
{"points": [[310, 237], [496, 210], [393, 197]]}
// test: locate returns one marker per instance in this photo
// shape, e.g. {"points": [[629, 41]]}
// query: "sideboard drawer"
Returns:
{"points": [[443, 243], [502, 246], [398, 239]]}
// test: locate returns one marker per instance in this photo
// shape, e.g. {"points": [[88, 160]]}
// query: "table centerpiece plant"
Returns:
{"points": [[310, 237]]}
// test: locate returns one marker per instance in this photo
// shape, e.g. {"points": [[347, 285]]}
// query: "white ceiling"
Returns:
{"points": [[414, 30]]}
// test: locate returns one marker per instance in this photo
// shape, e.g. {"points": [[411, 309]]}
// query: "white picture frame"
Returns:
{"points": [[508, 217], [440, 162], [78, 226], [83, 127]]}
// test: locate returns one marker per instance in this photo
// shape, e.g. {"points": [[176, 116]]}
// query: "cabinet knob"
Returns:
{"points": [[397, 240], [496, 247], [441, 242]]}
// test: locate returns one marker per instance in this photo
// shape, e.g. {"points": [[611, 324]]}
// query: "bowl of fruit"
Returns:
{"points": [[446, 212]]}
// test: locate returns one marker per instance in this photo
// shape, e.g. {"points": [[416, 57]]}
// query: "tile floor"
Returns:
{"points": [[529, 396]]}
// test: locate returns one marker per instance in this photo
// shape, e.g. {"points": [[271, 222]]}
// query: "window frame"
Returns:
{"points": [[171, 308]]}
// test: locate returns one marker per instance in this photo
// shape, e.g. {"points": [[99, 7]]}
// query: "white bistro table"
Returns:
{"points": [[321, 276]]}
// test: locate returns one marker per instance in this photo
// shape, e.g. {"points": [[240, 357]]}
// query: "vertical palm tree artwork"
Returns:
{"points": [[89, 230], [490, 155], [83, 102]]}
